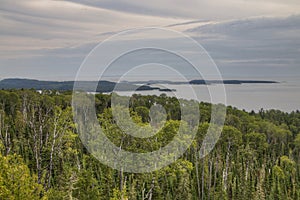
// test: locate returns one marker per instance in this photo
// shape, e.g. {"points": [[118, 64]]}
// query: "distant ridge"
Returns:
{"points": [[204, 82], [103, 86], [108, 86]]}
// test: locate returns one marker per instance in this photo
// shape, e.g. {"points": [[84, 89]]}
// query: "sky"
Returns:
{"points": [[49, 39]]}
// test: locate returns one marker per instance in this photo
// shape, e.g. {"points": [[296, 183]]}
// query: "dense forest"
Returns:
{"points": [[42, 156]]}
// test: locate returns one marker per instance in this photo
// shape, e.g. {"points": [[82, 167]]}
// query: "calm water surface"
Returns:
{"points": [[284, 96]]}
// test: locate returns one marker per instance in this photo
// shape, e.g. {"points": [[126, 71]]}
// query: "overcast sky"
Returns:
{"points": [[48, 39]]}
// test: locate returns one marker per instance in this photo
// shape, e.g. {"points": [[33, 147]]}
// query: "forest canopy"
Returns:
{"points": [[42, 156]]}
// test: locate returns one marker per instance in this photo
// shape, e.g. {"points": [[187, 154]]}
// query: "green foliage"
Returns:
{"points": [[16, 181], [42, 157]]}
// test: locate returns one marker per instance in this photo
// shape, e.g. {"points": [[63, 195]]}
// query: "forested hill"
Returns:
{"points": [[108, 86], [103, 86], [42, 157]]}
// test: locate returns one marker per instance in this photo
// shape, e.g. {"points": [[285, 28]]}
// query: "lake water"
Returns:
{"points": [[284, 96]]}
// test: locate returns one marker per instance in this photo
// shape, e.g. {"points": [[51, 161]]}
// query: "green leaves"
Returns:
{"points": [[16, 181], [256, 157]]}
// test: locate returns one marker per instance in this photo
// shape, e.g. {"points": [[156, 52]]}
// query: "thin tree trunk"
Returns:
{"points": [[210, 177], [150, 193], [225, 173], [202, 178], [202, 181], [51, 158], [215, 178], [197, 175], [121, 184], [247, 169]]}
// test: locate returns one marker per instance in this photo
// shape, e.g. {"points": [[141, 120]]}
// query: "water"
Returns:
{"points": [[283, 96]]}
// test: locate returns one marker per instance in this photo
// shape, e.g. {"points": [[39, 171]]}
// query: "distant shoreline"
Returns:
{"points": [[108, 86], [205, 82]]}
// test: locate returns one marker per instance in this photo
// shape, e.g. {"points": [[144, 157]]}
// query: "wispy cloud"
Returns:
{"points": [[194, 9], [254, 43], [54, 36]]}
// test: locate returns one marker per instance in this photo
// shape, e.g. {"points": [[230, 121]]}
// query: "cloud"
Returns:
{"points": [[251, 26], [253, 43], [54, 24], [188, 23], [55, 36], [195, 9]]}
